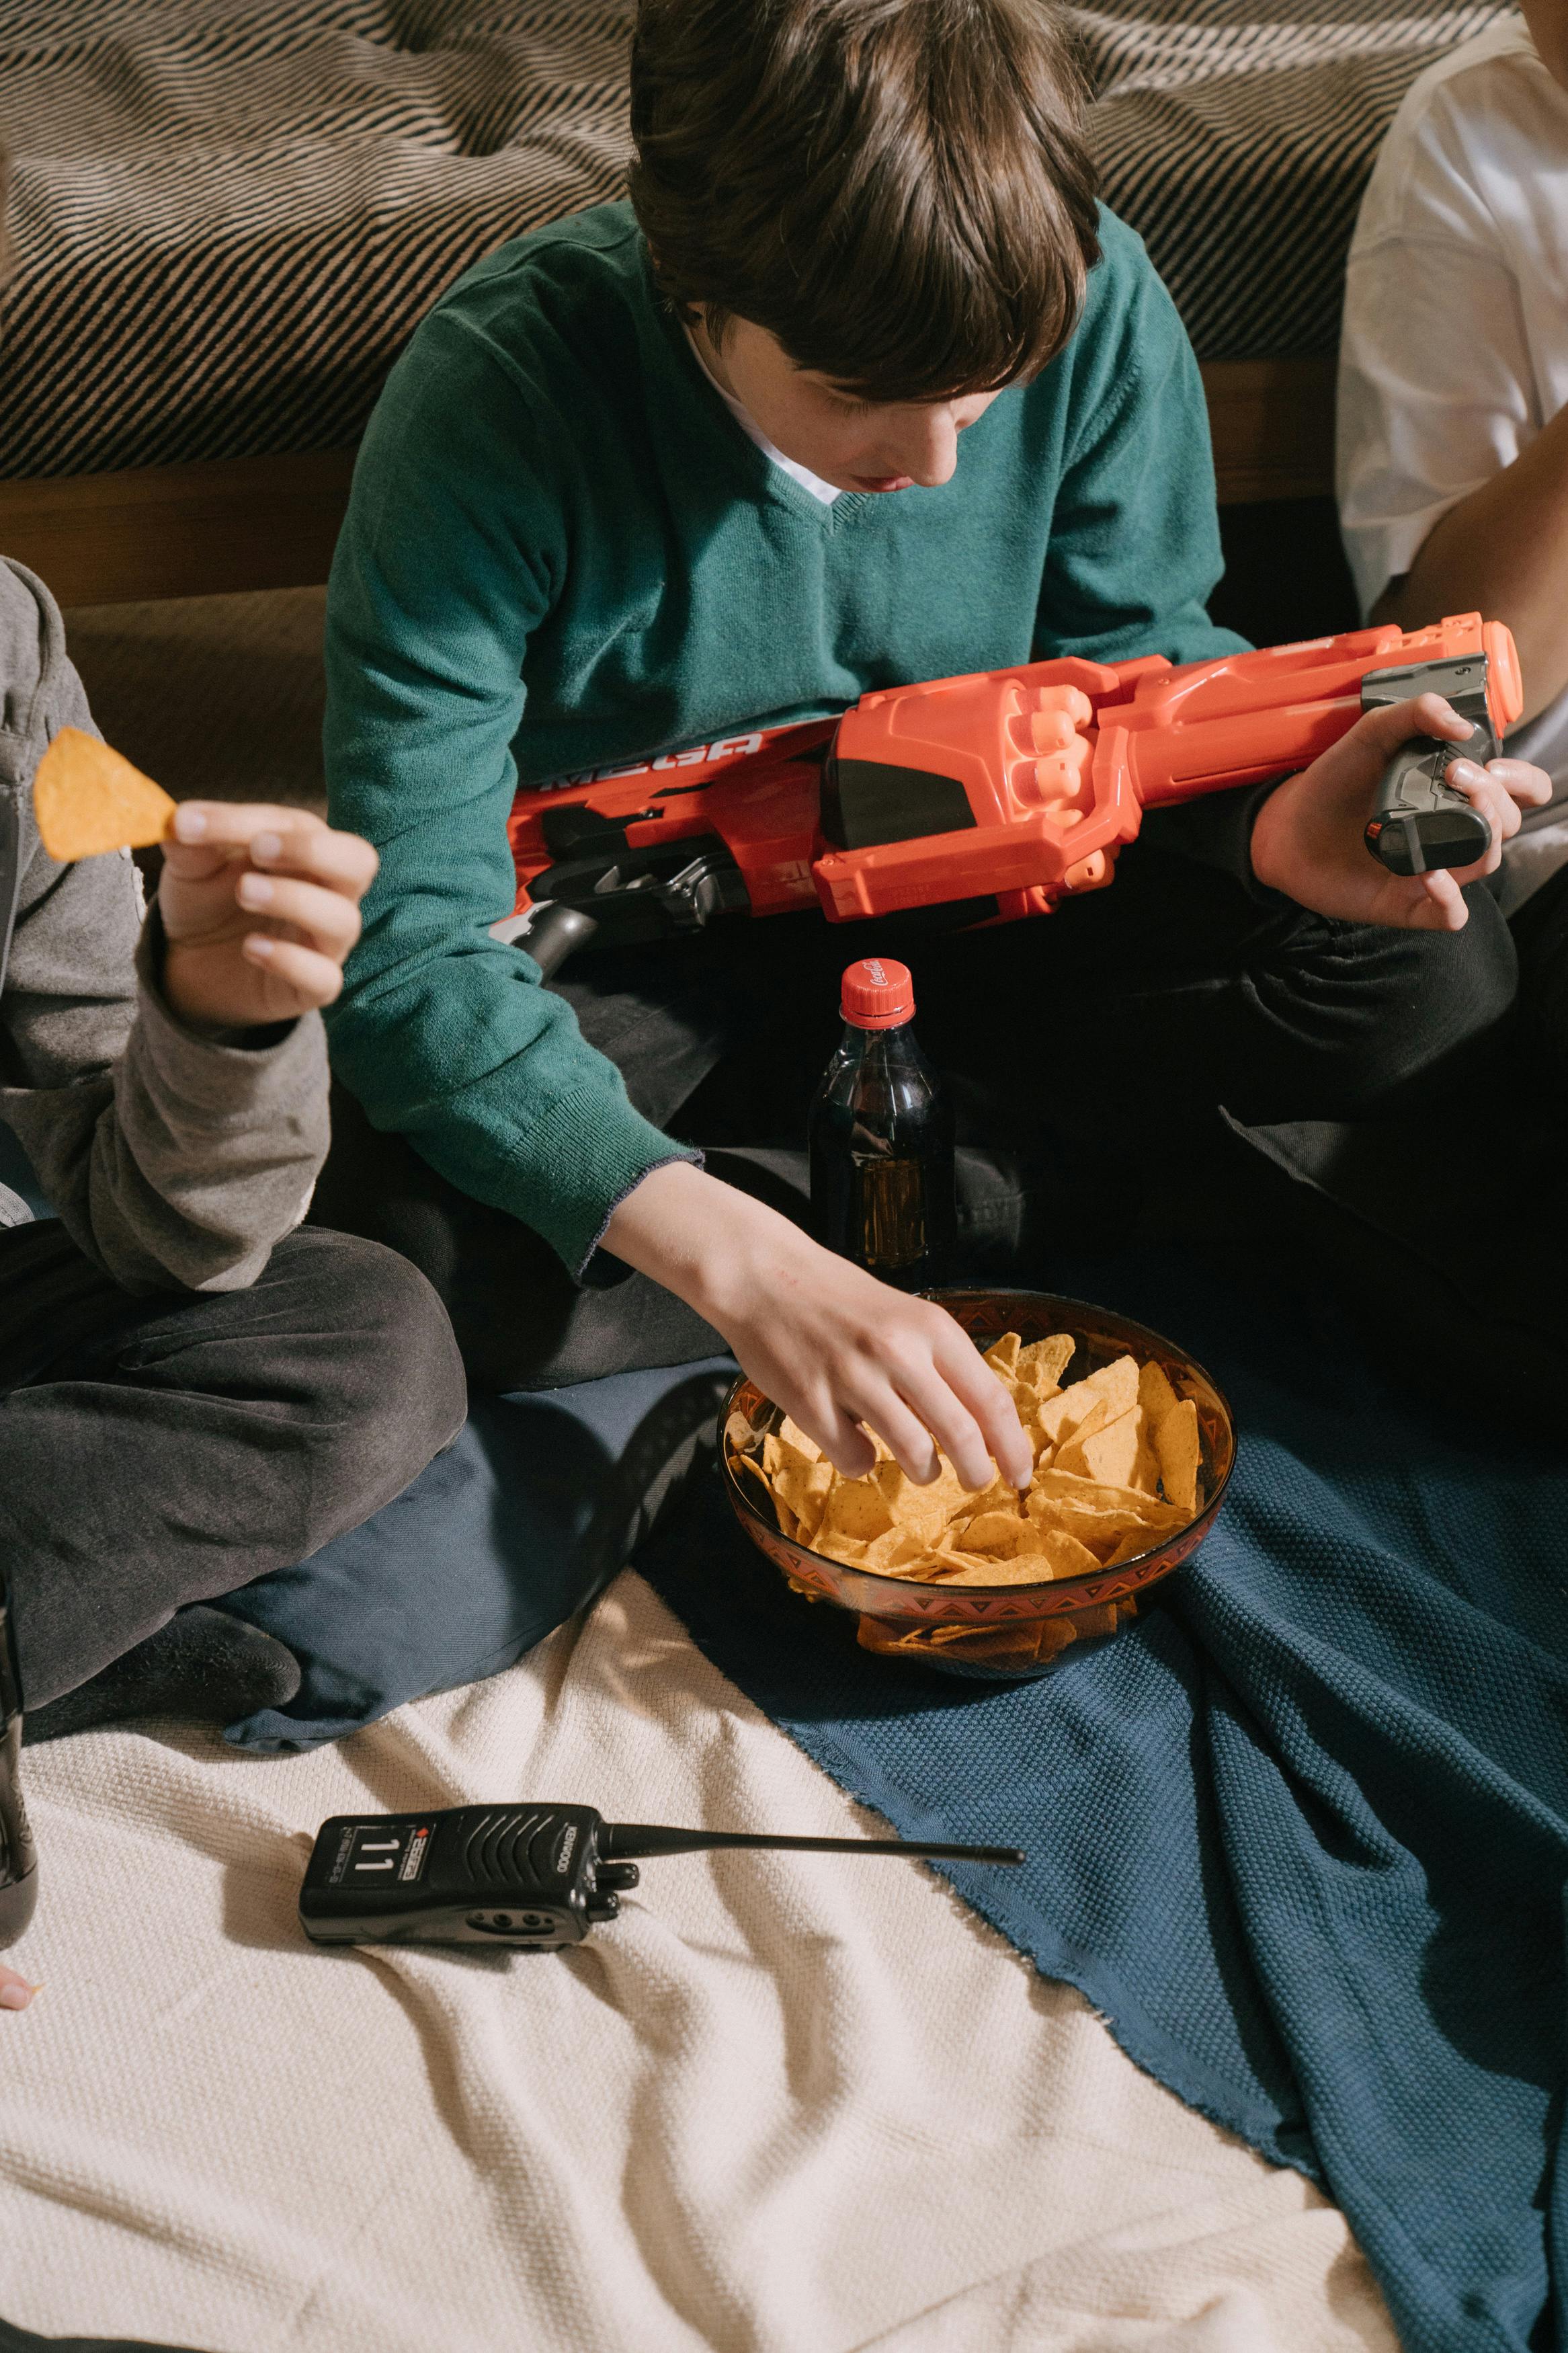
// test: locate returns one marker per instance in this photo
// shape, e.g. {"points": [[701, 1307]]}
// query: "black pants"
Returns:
{"points": [[163, 1451], [1121, 1023], [1442, 1227]]}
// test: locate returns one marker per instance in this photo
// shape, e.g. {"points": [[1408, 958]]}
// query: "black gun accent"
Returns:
{"points": [[656, 892], [868, 801]]}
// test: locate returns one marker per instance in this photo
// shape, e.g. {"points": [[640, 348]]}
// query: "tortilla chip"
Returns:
{"points": [[1043, 1362], [1177, 1444], [749, 1462], [88, 800], [1023, 1568], [994, 1532], [1074, 1412], [1131, 1546], [848, 1551], [793, 1435], [1109, 1453], [1090, 1623], [1155, 1394], [805, 1488], [1000, 1496], [1118, 1384], [897, 1554], [1069, 1489], [1064, 1553], [1003, 1357], [1145, 1472], [927, 1509], [856, 1507]]}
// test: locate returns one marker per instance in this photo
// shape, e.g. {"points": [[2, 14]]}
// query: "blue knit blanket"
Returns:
{"points": [[1301, 1836]]}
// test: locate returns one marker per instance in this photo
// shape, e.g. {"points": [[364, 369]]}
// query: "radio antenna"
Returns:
{"points": [[623, 1841]]}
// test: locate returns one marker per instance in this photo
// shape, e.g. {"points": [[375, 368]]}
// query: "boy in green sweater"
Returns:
{"points": [[861, 388]]}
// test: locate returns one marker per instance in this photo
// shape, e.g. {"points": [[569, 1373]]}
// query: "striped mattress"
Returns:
{"points": [[229, 213]]}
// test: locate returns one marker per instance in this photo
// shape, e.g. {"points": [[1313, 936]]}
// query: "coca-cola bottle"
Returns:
{"points": [[18, 1872], [881, 1134]]}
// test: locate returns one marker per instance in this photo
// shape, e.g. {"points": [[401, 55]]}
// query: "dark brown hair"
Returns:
{"points": [[897, 189]]}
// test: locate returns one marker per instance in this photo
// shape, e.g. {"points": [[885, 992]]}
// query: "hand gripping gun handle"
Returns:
{"points": [[1419, 822]]}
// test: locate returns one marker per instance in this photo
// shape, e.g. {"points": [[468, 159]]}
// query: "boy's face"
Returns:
{"points": [[1548, 22], [856, 445]]}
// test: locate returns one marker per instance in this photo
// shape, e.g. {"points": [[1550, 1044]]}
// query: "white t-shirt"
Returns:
{"points": [[1455, 351], [826, 492]]}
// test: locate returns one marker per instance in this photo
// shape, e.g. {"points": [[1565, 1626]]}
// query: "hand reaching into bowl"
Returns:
{"points": [[840, 1352]]}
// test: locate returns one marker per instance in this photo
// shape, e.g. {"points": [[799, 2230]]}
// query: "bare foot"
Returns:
{"points": [[16, 1992]]}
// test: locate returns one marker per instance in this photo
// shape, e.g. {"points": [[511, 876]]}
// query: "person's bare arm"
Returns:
{"points": [[839, 1351], [1502, 551]]}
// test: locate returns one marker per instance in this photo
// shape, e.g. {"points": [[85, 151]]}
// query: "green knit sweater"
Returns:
{"points": [[562, 552]]}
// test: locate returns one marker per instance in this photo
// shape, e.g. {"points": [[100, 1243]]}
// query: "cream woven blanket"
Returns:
{"points": [[784, 2105]]}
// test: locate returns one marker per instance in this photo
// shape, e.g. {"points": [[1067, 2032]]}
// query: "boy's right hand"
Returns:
{"points": [[1309, 838], [839, 1351]]}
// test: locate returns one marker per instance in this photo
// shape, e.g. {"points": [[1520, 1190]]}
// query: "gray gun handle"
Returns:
{"points": [[1418, 821]]}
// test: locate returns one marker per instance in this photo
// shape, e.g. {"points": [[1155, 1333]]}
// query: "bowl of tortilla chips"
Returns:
{"points": [[1134, 1445]]}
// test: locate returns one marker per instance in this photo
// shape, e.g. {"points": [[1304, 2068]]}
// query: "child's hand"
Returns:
{"points": [[259, 908], [1307, 841], [16, 1993], [829, 1343]]}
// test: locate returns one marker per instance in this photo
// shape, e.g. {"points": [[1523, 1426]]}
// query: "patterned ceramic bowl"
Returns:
{"points": [[1004, 1630]]}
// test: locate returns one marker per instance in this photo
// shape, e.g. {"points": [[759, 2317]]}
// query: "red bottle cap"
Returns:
{"points": [[877, 993]]}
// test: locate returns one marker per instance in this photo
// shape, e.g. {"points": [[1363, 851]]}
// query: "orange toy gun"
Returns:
{"points": [[994, 795]]}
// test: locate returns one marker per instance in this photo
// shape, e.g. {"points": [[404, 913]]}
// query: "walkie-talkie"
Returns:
{"points": [[1419, 822], [534, 1876]]}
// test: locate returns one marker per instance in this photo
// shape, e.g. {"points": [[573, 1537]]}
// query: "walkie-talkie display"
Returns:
{"points": [[531, 1875]]}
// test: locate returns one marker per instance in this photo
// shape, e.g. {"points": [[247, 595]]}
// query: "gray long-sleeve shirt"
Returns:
{"points": [[175, 1160]]}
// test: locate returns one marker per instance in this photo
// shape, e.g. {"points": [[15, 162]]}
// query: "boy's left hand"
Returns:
{"points": [[1307, 841], [259, 907]]}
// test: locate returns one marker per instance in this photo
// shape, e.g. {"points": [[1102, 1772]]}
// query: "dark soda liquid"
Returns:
{"points": [[880, 1135]]}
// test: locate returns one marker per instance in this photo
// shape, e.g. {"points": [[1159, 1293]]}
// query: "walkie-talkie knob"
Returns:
{"points": [[602, 1907], [623, 1876]]}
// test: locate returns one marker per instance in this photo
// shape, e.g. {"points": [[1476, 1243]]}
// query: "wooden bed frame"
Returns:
{"points": [[270, 522]]}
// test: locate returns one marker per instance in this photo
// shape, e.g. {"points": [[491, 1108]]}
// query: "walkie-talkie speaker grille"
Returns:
{"points": [[512, 1848]]}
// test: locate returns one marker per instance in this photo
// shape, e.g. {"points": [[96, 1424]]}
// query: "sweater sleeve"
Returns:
{"points": [[182, 1162], [450, 558], [175, 1161], [1134, 549]]}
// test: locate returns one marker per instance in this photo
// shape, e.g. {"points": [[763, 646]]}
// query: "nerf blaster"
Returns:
{"points": [[997, 794]]}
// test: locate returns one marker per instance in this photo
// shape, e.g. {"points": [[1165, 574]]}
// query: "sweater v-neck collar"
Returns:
{"points": [[710, 408], [825, 493]]}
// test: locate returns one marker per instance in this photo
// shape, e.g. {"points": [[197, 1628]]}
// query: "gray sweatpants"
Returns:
{"points": [[155, 1451]]}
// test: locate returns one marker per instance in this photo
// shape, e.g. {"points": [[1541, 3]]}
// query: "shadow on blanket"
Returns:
{"points": [[22, 2340], [1301, 1834]]}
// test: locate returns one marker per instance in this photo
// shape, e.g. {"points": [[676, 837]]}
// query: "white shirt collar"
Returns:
{"points": [[826, 492]]}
